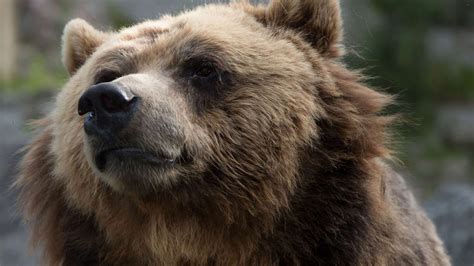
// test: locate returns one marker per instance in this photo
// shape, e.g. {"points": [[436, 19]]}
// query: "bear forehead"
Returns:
{"points": [[226, 34], [227, 21]]}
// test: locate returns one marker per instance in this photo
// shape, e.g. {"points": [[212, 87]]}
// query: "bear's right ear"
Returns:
{"points": [[318, 21], [80, 40]]}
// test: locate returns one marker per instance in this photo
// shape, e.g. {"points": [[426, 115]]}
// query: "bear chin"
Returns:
{"points": [[135, 171]]}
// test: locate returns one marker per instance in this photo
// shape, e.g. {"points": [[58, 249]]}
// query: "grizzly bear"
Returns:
{"points": [[231, 134]]}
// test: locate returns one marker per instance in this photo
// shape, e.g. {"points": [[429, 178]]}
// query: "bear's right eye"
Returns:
{"points": [[107, 76], [205, 70]]}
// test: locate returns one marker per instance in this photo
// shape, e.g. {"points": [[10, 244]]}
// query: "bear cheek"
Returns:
{"points": [[72, 168], [68, 142]]}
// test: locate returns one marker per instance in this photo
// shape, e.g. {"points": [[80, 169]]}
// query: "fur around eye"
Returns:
{"points": [[107, 76]]}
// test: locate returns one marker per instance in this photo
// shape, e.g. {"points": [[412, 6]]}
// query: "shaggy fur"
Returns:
{"points": [[284, 150]]}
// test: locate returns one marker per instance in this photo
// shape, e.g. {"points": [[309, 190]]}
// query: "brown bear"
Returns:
{"points": [[231, 134]]}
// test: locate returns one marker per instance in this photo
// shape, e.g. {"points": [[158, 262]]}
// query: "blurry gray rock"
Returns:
{"points": [[152, 9], [454, 44], [452, 210], [12, 235], [456, 125], [14, 112]]}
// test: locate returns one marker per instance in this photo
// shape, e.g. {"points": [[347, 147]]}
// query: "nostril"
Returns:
{"points": [[91, 116], [85, 106]]}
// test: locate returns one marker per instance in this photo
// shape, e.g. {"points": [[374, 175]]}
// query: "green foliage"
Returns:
{"points": [[400, 61], [118, 18], [37, 77], [409, 12], [424, 12]]}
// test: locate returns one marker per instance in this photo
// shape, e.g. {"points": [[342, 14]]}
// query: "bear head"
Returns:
{"points": [[213, 117]]}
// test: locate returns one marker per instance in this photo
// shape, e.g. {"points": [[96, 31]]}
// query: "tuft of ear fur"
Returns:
{"points": [[80, 40], [319, 22]]}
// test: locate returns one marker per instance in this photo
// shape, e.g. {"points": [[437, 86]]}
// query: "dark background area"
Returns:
{"points": [[420, 50]]}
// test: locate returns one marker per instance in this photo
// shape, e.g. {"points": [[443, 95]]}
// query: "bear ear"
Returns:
{"points": [[80, 40], [319, 21]]}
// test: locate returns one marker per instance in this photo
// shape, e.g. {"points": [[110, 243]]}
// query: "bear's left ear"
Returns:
{"points": [[319, 21], [80, 40]]}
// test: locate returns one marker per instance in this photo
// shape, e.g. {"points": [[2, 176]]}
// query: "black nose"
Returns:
{"points": [[109, 106]]}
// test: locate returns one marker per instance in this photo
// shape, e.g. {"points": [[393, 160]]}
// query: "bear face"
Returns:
{"points": [[224, 92], [228, 135]]}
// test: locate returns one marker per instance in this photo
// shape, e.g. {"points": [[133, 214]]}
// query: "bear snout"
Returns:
{"points": [[132, 138], [109, 108]]}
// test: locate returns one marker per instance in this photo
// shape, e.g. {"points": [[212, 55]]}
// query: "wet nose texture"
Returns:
{"points": [[109, 107]]}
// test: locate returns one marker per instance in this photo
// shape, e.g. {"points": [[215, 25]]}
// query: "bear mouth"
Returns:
{"points": [[135, 155]]}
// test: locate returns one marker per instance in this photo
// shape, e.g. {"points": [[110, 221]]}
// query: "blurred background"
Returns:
{"points": [[420, 50]]}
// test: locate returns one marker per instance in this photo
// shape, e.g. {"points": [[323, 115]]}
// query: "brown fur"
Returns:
{"points": [[287, 151]]}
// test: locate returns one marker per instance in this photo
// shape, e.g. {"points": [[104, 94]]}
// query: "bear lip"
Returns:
{"points": [[135, 154]]}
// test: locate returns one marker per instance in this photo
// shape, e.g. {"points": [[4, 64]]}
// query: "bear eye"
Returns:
{"points": [[107, 76], [205, 70]]}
